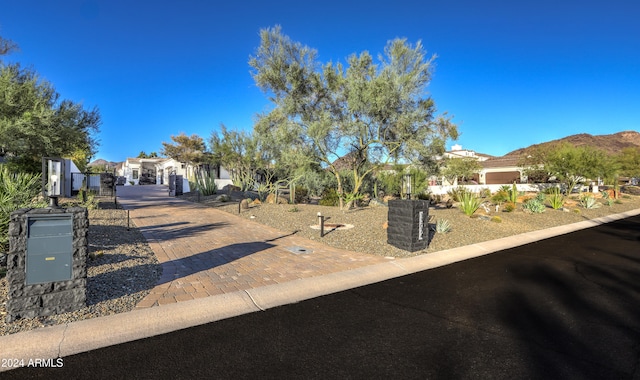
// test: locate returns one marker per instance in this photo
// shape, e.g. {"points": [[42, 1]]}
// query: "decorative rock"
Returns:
{"points": [[244, 204], [376, 203], [271, 199]]}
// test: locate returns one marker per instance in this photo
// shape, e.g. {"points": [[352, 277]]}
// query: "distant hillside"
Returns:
{"points": [[101, 162], [608, 143]]}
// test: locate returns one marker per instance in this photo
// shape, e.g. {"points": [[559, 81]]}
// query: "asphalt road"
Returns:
{"points": [[567, 307]]}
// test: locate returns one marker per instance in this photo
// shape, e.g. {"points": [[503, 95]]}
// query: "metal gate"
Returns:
{"points": [[101, 184]]}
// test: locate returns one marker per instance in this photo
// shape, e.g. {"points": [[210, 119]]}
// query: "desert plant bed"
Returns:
{"points": [[369, 233]]}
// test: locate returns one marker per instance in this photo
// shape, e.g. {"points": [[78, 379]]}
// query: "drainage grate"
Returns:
{"points": [[299, 250]]}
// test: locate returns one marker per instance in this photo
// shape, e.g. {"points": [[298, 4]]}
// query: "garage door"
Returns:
{"points": [[502, 178]]}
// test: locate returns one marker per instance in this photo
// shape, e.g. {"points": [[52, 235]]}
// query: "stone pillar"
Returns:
{"points": [[179, 184], [408, 224], [45, 298]]}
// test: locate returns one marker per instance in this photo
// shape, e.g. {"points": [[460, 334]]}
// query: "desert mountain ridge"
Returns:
{"points": [[611, 144]]}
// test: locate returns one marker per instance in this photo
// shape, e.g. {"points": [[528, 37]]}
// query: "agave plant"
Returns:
{"points": [[469, 203], [443, 226], [589, 202], [556, 199]]}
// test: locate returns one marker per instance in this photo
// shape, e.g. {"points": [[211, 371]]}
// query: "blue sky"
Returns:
{"points": [[512, 73]]}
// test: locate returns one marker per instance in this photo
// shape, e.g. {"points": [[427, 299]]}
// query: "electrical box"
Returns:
{"points": [[49, 254]]}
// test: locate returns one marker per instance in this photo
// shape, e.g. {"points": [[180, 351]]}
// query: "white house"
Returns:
{"points": [[139, 171], [157, 170]]}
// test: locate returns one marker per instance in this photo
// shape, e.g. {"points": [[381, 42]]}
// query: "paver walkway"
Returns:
{"points": [[205, 252]]}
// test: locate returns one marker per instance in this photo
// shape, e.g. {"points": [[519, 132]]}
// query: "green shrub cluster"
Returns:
{"points": [[330, 198], [17, 190]]}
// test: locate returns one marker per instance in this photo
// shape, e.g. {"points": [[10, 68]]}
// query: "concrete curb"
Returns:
{"points": [[76, 337]]}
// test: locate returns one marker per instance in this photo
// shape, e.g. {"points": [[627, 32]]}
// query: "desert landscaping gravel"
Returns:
{"points": [[369, 235], [122, 268]]}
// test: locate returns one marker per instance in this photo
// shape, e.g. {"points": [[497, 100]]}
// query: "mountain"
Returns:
{"points": [[611, 144], [103, 163]]}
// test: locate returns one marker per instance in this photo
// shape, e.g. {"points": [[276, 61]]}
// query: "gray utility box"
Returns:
{"points": [[408, 224], [49, 248]]}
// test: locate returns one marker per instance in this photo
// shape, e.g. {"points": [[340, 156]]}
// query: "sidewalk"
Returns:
{"points": [[206, 252]]}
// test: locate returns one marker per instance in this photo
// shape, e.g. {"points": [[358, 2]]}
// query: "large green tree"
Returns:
{"points": [[375, 112], [240, 153], [629, 162], [572, 165], [36, 122], [463, 168], [188, 149]]}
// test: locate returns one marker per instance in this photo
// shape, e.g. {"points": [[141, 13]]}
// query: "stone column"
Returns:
{"points": [[45, 298], [408, 224]]}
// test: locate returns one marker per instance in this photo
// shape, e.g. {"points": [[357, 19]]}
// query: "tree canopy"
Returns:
{"points": [[187, 149], [377, 112], [463, 168], [35, 122], [571, 164]]}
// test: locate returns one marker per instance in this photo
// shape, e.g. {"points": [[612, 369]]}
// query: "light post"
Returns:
{"points": [[407, 180], [52, 177]]}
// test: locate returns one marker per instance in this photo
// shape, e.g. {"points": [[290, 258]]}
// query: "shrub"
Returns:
{"points": [[607, 198], [484, 192], [443, 226], [509, 207], [469, 203], [424, 196], [90, 203], [500, 197], [457, 193], [534, 205], [330, 198], [17, 190], [556, 199]]}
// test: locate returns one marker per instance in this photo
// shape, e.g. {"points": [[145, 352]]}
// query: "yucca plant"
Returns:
{"points": [[469, 203], [556, 199]]}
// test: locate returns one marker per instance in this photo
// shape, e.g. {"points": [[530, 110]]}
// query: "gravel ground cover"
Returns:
{"points": [[369, 234], [123, 268]]}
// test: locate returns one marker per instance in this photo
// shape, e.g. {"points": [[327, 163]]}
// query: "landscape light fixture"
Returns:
{"points": [[407, 180], [52, 178]]}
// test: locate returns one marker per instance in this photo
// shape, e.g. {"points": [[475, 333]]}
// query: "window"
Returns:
{"points": [[135, 174]]}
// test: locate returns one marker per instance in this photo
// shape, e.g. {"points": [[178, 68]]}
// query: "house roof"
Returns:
{"points": [[498, 162]]}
